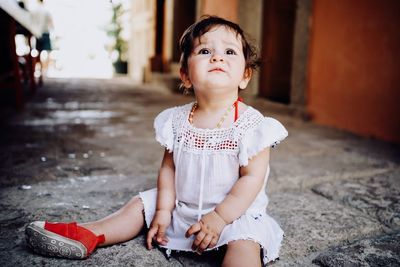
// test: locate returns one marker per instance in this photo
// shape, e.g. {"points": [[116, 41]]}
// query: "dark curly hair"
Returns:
{"points": [[205, 24]]}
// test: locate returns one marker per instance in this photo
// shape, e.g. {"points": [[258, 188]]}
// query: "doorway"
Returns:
{"points": [[184, 16], [277, 47]]}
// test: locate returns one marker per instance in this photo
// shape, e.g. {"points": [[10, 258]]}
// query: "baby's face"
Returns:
{"points": [[217, 61]]}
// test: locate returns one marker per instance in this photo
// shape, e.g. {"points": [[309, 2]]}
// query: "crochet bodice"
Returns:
{"points": [[207, 161]]}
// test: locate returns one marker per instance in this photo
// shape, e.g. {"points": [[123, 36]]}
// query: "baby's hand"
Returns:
{"points": [[160, 222], [207, 231]]}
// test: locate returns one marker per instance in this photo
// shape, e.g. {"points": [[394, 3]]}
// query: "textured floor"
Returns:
{"points": [[81, 148]]}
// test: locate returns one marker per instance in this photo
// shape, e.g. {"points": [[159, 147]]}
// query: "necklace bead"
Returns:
{"points": [[221, 121], [194, 107]]}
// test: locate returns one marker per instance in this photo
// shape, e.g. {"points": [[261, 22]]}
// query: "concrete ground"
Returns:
{"points": [[81, 148]]}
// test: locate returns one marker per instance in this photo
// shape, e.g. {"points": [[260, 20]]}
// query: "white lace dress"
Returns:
{"points": [[207, 165]]}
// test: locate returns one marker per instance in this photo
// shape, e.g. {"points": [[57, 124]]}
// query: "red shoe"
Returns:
{"points": [[65, 240]]}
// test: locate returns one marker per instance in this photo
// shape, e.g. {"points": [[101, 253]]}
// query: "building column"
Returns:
{"points": [[302, 32], [250, 20]]}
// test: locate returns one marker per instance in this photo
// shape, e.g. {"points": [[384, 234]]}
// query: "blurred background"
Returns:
{"points": [[81, 82], [333, 62]]}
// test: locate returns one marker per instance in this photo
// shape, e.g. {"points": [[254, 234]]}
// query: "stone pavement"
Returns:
{"points": [[82, 148]]}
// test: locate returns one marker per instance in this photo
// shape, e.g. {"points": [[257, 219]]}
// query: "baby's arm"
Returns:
{"points": [[245, 189], [235, 204], [165, 201]]}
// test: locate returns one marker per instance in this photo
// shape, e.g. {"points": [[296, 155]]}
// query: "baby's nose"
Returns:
{"points": [[217, 57]]}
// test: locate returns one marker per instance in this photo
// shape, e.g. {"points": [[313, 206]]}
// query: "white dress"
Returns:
{"points": [[207, 165]]}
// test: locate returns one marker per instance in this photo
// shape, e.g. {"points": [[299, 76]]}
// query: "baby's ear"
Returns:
{"points": [[248, 72], [185, 79]]}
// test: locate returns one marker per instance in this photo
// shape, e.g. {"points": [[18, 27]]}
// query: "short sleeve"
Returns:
{"points": [[163, 129], [268, 133]]}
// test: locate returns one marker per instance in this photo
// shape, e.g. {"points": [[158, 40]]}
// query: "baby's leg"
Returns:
{"points": [[122, 225], [69, 240], [242, 253]]}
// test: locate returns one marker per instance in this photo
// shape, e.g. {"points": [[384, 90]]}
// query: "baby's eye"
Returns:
{"points": [[230, 51], [204, 51]]}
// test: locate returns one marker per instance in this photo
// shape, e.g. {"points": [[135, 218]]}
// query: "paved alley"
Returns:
{"points": [[81, 148]]}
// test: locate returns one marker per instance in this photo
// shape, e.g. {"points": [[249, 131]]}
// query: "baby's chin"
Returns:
{"points": [[219, 80], [216, 88]]}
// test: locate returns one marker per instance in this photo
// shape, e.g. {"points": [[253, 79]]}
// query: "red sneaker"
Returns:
{"points": [[65, 240]]}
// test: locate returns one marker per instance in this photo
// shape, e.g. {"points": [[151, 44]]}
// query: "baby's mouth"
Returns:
{"points": [[216, 70]]}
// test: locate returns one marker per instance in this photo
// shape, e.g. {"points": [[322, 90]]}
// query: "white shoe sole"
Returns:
{"points": [[51, 244]]}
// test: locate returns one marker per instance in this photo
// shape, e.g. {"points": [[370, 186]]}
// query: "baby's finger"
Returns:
{"points": [[193, 229], [161, 235], [204, 244], [214, 242], [150, 235], [164, 241], [197, 241]]}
